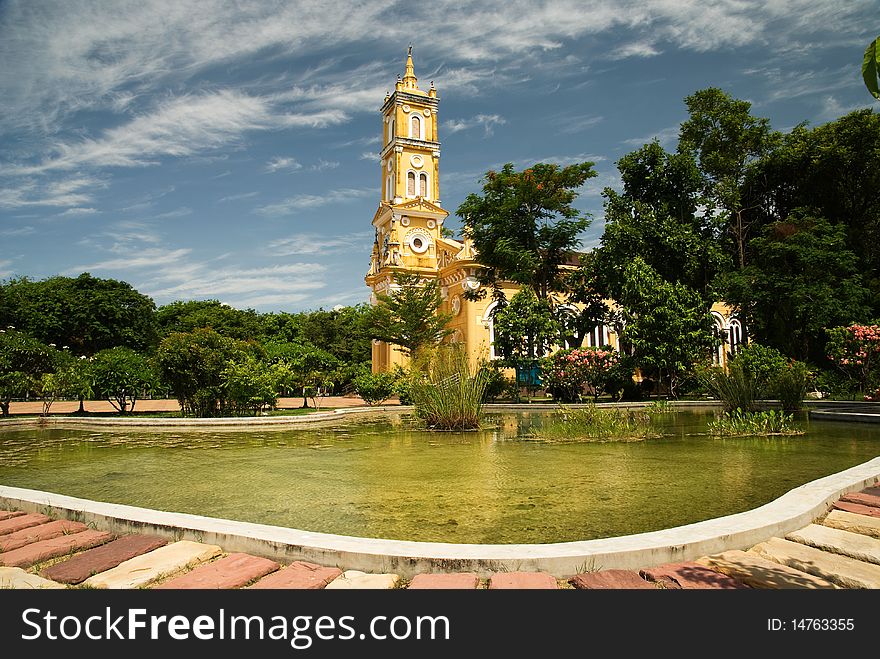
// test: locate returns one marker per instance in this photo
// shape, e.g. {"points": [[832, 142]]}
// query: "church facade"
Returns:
{"points": [[409, 238]]}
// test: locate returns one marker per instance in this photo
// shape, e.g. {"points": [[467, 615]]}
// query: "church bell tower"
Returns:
{"points": [[410, 216]]}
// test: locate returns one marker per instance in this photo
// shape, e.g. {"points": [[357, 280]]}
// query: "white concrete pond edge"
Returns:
{"points": [[793, 510]]}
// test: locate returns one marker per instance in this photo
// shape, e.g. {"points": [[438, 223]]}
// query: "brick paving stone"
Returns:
{"points": [[862, 498], [690, 575], [233, 571], [759, 572], [611, 580], [458, 581], [872, 490], [15, 577], [839, 519], [100, 559], [847, 543], [523, 580], [6, 514], [147, 568], [842, 570], [46, 549], [299, 575], [19, 522], [357, 580], [858, 508], [33, 534]]}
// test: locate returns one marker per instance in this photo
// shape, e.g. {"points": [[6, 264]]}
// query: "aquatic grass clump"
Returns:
{"points": [[447, 392], [660, 407], [602, 424], [736, 389], [746, 424]]}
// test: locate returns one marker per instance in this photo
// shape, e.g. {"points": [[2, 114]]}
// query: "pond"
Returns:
{"points": [[382, 477]]}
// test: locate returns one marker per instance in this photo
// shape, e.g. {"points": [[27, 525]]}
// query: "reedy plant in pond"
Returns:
{"points": [[447, 390], [593, 423], [738, 423], [736, 389]]}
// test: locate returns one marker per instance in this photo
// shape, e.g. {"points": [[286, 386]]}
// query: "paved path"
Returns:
{"points": [[169, 405], [840, 550]]}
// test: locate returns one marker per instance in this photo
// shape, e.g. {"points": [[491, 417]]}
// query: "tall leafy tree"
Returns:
{"points": [[23, 359], [223, 319], [666, 324], [525, 329], [725, 139], [801, 280], [121, 376], [84, 313], [524, 225], [408, 316], [660, 216]]}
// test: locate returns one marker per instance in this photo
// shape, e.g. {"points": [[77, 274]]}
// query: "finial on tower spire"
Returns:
{"points": [[409, 77]]}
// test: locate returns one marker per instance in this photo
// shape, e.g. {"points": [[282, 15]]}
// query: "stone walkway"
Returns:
{"points": [[841, 550]]}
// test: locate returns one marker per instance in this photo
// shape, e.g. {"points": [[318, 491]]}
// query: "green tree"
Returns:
{"points": [[23, 359], [524, 226], [310, 370], [525, 328], [725, 139], [251, 385], [666, 324], [832, 170], [409, 317], [121, 376], [375, 388], [71, 377], [85, 313], [801, 279], [195, 314], [660, 216], [871, 68], [191, 364]]}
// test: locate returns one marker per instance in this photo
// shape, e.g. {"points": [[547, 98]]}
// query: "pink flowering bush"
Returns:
{"points": [[570, 374], [856, 351]]}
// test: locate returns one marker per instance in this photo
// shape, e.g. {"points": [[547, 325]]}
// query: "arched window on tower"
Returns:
{"points": [[388, 194], [423, 185], [391, 129], [721, 335], [410, 184], [415, 129], [735, 334]]}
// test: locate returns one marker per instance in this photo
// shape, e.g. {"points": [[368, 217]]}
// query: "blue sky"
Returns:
{"points": [[223, 150]]}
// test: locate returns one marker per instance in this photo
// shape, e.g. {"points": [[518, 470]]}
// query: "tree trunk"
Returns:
{"points": [[4, 408], [82, 409]]}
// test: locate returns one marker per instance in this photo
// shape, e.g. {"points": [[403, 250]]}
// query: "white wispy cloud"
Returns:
{"points": [[183, 211], [19, 231], [302, 201], [236, 197], [636, 49], [279, 163], [369, 155], [147, 258], [666, 136], [78, 211], [74, 191], [323, 165], [487, 122], [312, 243]]}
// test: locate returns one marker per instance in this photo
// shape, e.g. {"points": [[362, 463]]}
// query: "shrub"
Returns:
{"points": [[856, 352], [375, 388], [762, 362], [789, 385], [121, 375], [496, 384], [449, 393], [569, 374], [250, 385]]}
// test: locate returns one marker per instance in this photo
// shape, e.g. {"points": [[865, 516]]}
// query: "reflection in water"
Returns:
{"points": [[387, 478]]}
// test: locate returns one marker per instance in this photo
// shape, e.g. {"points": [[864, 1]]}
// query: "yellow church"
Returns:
{"points": [[408, 236]]}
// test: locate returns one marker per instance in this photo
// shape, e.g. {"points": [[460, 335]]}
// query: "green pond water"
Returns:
{"points": [[382, 477]]}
